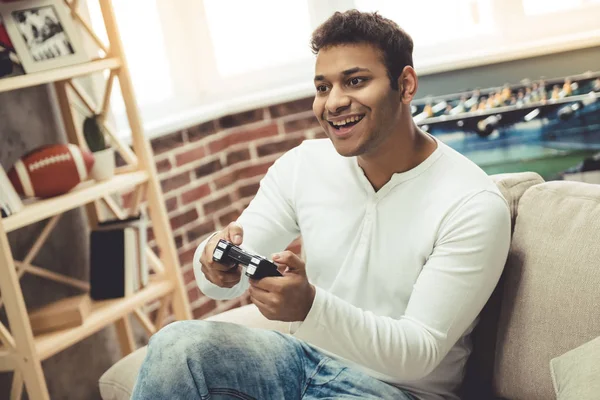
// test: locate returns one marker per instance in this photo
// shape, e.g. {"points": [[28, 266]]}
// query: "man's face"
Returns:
{"points": [[354, 102]]}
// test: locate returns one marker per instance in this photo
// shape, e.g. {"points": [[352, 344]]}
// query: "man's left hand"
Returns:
{"points": [[288, 298]]}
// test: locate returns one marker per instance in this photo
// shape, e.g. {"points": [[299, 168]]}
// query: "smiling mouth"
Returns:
{"points": [[348, 123]]}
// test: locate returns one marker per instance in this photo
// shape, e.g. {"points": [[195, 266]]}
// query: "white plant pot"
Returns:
{"points": [[104, 164]]}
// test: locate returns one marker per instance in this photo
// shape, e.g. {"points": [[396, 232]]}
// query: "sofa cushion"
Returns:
{"points": [[118, 381], [513, 185], [550, 297], [480, 366], [576, 374]]}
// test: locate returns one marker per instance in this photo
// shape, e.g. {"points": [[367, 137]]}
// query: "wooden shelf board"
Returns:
{"points": [[103, 313], [57, 74], [84, 193]]}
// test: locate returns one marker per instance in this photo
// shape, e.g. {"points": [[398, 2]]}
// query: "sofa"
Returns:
{"points": [[538, 337]]}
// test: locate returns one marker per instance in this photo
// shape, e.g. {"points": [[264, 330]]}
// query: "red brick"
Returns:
{"points": [[175, 182], [190, 155], [300, 124], [292, 107], [218, 145], [204, 309], [189, 276], [201, 131], [249, 190], [184, 219], [163, 166], [119, 160], [167, 143], [149, 234], [208, 168], [254, 134], [195, 194], [231, 216], [217, 204], [200, 230], [280, 146], [254, 170], [178, 241], [187, 257], [229, 121], [245, 202], [226, 180], [171, 204], [194, 294], [237, 156], [127, 199]]}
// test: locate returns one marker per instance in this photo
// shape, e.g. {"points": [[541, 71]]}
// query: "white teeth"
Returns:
{"points": [[347, 120]]}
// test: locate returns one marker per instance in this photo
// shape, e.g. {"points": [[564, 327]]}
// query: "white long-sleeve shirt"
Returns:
{"points": [[401, 273]]}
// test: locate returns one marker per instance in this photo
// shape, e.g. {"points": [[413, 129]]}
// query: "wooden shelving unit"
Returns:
{"points": [[20, 350]]}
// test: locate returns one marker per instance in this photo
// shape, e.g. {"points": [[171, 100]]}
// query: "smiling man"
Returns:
{"points": [[404, 242]]}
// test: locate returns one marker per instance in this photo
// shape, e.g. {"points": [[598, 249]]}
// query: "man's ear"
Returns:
{"points": [[408, 84]]}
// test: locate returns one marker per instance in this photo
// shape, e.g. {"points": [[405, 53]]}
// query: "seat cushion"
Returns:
{"points": [[118, 381], [550, 297], [576, 374]]}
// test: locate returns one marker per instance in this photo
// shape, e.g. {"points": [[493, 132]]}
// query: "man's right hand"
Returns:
{"points": [[219, 274]]}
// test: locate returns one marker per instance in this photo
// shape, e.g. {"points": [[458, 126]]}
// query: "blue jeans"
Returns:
{"points": [[221, 360]]}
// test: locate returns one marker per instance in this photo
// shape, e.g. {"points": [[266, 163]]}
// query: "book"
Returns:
{"points": [[10, 202], [113, 263], [65, 313], [118, 262], [140, 223]]}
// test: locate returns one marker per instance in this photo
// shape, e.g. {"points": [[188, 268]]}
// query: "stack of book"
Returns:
{"points": [[118, 262], [10, 202]]}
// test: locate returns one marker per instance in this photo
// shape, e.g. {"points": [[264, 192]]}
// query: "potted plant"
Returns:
{"points": [[104, 156]]}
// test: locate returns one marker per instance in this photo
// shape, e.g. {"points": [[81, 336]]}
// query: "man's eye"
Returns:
{"points": [[356, 81], [321, 88]]}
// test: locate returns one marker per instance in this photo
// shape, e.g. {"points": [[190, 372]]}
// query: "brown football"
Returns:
{"points": [[51, 170]]}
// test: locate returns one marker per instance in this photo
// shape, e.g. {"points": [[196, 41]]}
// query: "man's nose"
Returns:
{"points": [[337, 101]]}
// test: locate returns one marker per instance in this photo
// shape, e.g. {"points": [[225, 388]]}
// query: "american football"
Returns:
{"points": [[51, 170]]}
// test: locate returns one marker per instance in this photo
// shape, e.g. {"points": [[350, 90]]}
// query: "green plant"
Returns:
{"points": [[94, 133]]}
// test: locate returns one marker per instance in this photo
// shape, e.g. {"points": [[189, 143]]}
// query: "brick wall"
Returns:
{"points": [[210, 172]]}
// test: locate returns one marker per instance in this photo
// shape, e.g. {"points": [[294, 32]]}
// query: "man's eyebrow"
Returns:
{"points": [[345, 73], [354, 70]]}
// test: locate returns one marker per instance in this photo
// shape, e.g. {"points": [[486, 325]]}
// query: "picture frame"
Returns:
{"points": [[43, 34]]}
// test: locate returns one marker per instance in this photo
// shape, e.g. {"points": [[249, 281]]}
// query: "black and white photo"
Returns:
{"points": [[43, 33]]}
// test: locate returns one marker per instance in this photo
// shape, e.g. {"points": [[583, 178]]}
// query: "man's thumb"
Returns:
{"points": [[235, 233]]}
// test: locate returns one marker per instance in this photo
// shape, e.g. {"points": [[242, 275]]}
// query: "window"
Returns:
{"points": [[196, 60], [274, 36]]}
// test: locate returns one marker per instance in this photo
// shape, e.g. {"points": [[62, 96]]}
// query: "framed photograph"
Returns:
{"points": [[43, 34]]}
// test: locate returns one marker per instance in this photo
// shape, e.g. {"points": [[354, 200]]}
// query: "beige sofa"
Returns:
{"points": [[536, 335]]}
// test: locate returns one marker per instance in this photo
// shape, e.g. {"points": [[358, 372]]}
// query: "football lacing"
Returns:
{"points": [[49, 160]]}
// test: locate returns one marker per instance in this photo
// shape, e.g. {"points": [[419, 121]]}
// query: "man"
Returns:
{"points": [[405, 240]]}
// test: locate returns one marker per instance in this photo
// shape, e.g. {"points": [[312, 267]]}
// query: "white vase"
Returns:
{"points": [[104, 164]]}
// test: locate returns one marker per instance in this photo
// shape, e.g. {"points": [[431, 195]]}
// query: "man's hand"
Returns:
{"points": [[222, 275], [288, 298]]}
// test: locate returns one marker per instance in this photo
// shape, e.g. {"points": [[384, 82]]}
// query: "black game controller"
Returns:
{"points": [[257, 267]]}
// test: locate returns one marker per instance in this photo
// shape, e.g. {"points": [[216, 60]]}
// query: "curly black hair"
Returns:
{"points": [[353, 26]]}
